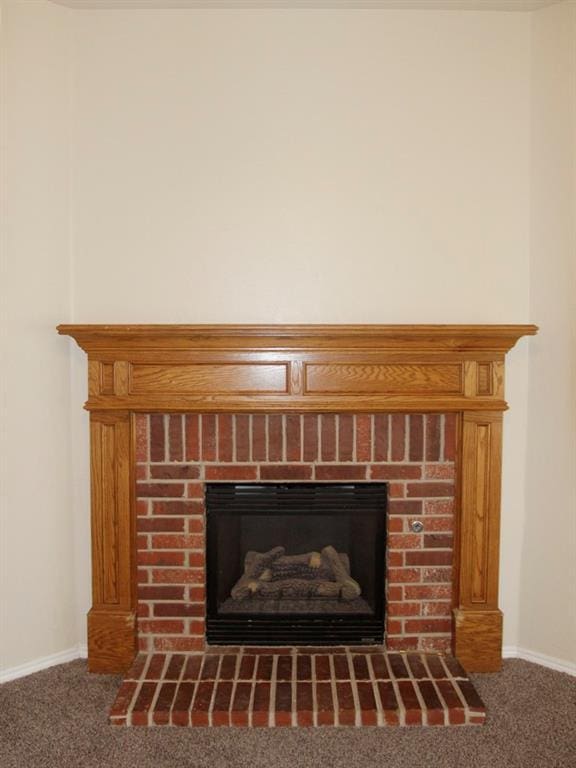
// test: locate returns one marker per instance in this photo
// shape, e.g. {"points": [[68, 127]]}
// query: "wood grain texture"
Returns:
{"points": [[425, 378], [111, 641], [478, 639], [113, 533], [480, 512], [209, 379]]}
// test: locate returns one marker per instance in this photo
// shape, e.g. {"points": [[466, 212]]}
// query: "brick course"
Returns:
{"points": [[177, 454]]}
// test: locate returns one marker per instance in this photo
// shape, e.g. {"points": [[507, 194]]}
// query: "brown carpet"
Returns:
{"points": [[58, 718]]}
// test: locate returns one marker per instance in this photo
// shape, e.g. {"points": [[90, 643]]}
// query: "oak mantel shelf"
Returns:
{"points": [[296, 368]]}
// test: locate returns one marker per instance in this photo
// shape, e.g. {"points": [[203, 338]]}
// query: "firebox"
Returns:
{"points": [[295, 563]]}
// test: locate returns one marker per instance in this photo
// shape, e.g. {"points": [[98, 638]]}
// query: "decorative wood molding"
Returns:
{"points": [[298, 368]]}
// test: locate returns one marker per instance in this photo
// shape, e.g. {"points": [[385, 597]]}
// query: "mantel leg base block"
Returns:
{"points": [[111, 641], [478, 639]]}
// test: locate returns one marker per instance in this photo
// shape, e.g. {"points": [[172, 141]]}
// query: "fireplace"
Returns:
{"points": [[295, 564], [402, 373]]}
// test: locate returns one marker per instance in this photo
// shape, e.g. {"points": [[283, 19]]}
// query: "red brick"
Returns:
{"points": [[428, 592], [157, 438], [346, 705], [161, 714], [149, 490], [171, 541], [247, 667], [196, 594], [393, 627], [440, 472], [325, 704], [437, 575], [202, 701], [228, 666], [143, 610], [264, 668], [367, 702], [142, 507], [143, 577], [345, 437], [293, 437], [286, 472], [195, 490], [403, 575], [275, 437], [413, 710], [403, 609], [284, 668], [439, 524], [304, 667], [396, 490], [181, 706], [137, 669], [181, 644], [322, 667], [161, 558], [396, 472], [143, 703], [208, 437], [192, 426], [395, 559], [222, 698], [141, 437], [123, 698], [341, 667], [232, 472], [310, 437], [381, 435], [438, 540], [156, 667], [439, 643], [405, 507], [177, 507], [178, 609], [154, 524], [225, 445], [439, 507], [161, 627], [141, 541], [196, 559], [178, 576], [456, 712], [142, 472], [341, 472], [389, 702], [196, 525], [258, 437], [471, 696], [242, 438], [395, 524], [433, 434], [405, 541], [436, 609], [402, 643], [429, 557], [398, 452], [328, 437], [174, 472], [379, 666], [434, 708], [175, 438], [304, 705], [427, 626], [261, 704], [239, 710], [396, 593], [416, 437], [283, 714], [192, 668], [426, 490], [360, 665], [363, 437], [450, 428]]}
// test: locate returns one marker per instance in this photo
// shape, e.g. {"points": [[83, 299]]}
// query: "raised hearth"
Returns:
{"points": [[297, 687], [296, 369]]}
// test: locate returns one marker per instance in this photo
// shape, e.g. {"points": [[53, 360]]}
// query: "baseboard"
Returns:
{"points": [[22, 670], [513, 652]]}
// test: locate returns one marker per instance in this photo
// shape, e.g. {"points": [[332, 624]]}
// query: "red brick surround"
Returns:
{"points": [[176, 454]]}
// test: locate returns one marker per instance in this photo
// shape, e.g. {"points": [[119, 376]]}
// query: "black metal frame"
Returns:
{"points": [[285, 499]]}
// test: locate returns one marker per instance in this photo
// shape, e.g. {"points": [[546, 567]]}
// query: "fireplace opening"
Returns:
{"points": [[298, 563]]}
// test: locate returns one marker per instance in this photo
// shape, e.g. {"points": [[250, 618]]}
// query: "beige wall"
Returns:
{"points": [[291, 166], [548, 597], [38, 606]]}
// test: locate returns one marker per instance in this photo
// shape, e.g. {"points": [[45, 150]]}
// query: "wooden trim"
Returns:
{"points": [[298, 368]]}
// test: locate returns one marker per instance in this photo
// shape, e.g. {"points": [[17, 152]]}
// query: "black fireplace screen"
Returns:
{"points": [[297, 563]]}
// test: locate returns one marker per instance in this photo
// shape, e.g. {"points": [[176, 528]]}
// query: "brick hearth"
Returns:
{"points": [[297, 687], [177, 454]]}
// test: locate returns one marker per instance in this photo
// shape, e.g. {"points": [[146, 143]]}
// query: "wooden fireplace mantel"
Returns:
{"points": [[302, 368]]}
